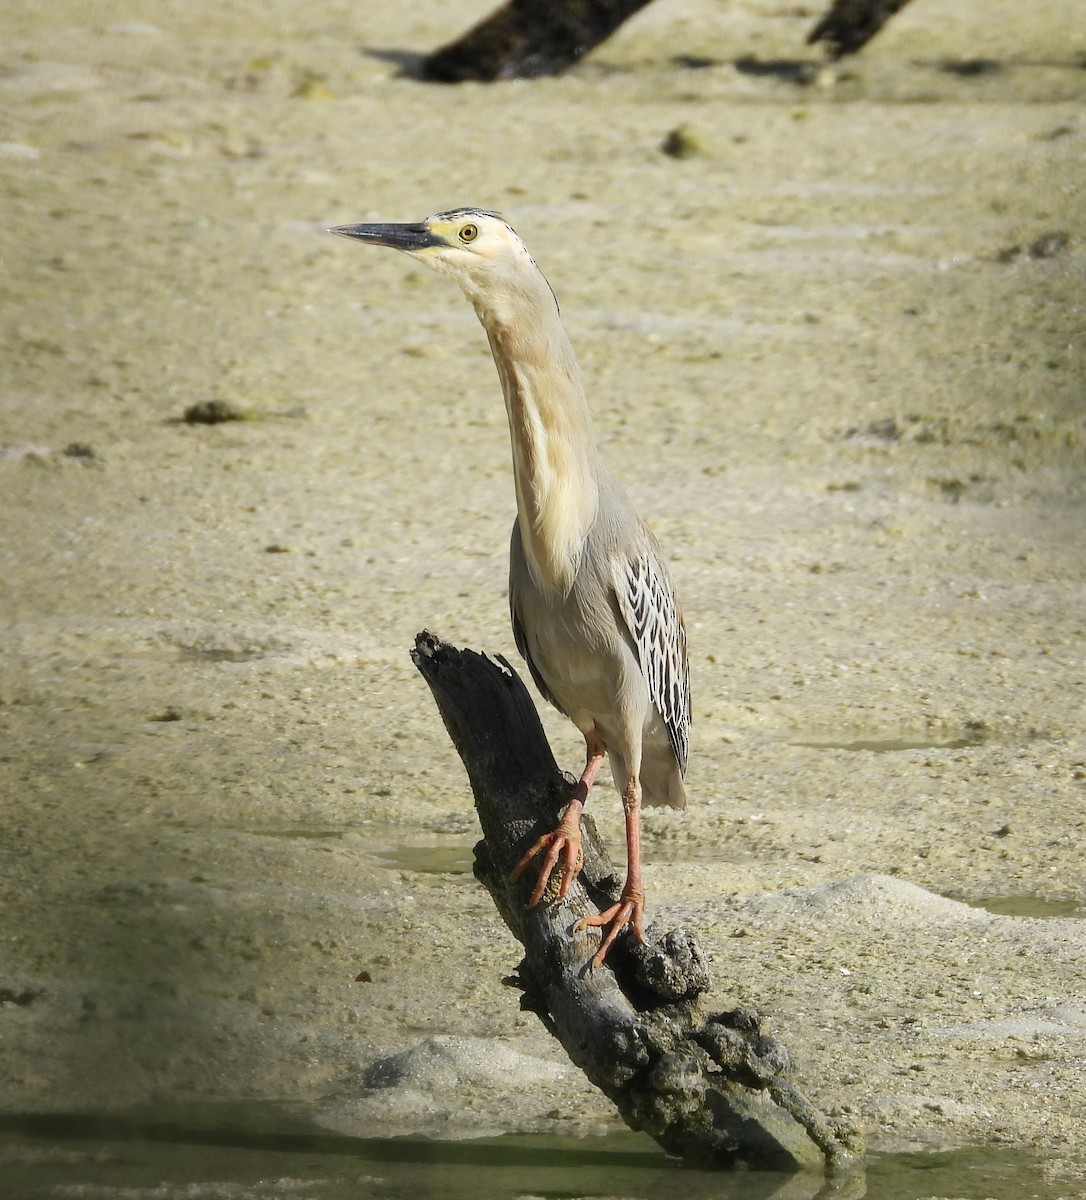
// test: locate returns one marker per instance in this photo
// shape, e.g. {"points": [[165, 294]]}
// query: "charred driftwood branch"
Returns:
{"points": [[711, 1089], [526, 38]]}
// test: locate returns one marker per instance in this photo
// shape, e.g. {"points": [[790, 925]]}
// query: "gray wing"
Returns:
{"points": [[650, 608], [518, 575]]}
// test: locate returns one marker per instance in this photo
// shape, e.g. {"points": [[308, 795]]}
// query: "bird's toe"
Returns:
{"points": [[563, 846], [629, 911]]}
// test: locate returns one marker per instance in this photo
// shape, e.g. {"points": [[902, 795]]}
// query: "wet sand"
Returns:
{"points": [[835, 354]]}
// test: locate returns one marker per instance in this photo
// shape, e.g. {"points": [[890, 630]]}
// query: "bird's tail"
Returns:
{"points": [[661, 780]]}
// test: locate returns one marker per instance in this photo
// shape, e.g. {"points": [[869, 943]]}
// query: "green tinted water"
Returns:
{"points": [[1024, 906], [893, 745], [262, 1152], [431, 860]]}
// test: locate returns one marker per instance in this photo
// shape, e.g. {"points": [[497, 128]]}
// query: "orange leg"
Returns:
{"points": [[565, 842], [630, 907]]}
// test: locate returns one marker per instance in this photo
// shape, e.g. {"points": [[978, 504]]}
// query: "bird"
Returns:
{"points": [[593, 606]]}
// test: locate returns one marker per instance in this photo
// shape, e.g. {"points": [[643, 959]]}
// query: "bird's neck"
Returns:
{"points": [[555, 463]]}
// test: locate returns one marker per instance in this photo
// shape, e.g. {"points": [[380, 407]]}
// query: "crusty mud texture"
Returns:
{"points": [[835, 351]]}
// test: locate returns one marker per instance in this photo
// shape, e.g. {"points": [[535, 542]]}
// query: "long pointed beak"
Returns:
{"points": [[399, 237]]}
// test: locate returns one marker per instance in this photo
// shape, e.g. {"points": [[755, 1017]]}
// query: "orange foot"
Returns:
{"points": [[564, 845], [629, 910]]}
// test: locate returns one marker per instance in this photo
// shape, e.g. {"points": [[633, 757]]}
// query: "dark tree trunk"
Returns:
{"points": [[709, 1088]]}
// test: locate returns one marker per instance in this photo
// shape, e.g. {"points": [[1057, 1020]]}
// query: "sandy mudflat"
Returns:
{"points": [[852, 410]]}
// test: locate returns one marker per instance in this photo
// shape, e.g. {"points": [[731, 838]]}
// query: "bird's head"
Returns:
{"points": [[476, 248]]}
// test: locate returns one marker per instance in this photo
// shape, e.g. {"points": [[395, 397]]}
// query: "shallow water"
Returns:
{"points": [[1024, 906], [260, 1150], [894, 745], [430, 860]]}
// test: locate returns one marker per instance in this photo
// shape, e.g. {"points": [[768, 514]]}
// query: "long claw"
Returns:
{"points": [[628, 910], [522, 866], [563, 844]]}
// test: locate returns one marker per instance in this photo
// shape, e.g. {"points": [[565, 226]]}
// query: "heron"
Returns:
{"points": [[594, 610]]}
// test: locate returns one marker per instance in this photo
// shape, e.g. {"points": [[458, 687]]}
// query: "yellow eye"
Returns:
{"points": [[469, 233]]}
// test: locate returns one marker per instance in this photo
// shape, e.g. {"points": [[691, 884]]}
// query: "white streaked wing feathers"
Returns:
{"points": [[652, 614]]}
